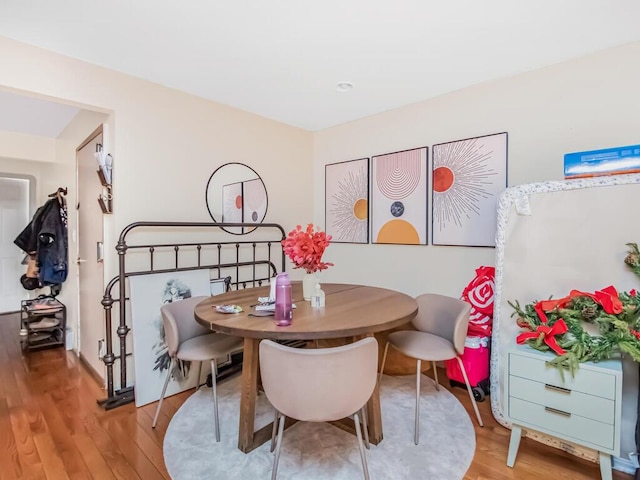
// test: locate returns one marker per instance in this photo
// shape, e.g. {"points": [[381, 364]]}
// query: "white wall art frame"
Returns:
{"points": [[399, 197], [347, 201], [467, 178], [148, 294], [232, 205], [254, 202]]}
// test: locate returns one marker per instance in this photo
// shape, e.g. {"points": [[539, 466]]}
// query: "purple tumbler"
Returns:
{"points": [[284, 311]]}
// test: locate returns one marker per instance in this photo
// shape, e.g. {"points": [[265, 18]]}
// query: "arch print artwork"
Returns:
{"points": [[347, 201], [399, 197], [467, 179]]}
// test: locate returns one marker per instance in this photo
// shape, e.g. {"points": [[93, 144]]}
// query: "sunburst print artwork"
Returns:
{"points": [[399, 197], [232, 205], [347, 201], [467, 179]]}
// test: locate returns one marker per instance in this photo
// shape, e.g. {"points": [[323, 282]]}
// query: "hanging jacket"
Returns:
{"points": [[46, 238]]}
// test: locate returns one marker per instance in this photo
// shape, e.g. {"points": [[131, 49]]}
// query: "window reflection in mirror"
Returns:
{"points": [[236, 194]]}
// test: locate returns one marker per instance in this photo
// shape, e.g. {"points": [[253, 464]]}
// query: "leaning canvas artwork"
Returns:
{"points": [[151, 360], [468, 176], [399, 197]]}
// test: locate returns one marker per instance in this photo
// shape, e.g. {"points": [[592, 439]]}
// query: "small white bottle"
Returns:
{"points": [[317, 297]]}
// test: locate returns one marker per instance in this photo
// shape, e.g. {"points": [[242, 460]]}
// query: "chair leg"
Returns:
{"points": [[473, 400], [214, 390], [278, 447], [384, 359], [365, 428], [361, 447], [416, 433], [276, 416], [435, 375], [164, 390], [199, 376]]}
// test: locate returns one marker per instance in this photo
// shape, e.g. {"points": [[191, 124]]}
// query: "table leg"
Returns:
{"points": [[374, 417], [248, 393]]}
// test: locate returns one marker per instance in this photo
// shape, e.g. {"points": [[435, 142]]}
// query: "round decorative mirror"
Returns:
{"points": [[236, 194]]}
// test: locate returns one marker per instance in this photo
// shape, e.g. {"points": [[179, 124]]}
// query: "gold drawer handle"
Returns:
{"points": [[559, 412], [557, 389]]}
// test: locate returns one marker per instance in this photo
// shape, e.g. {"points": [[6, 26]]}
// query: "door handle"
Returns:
{"points": [[80, 260]]}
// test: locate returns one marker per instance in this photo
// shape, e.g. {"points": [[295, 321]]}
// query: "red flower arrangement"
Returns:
{"points": [[305, 248]]}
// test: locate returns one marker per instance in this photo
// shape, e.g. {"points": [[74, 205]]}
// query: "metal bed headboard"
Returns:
{"points": [[240, 262]]}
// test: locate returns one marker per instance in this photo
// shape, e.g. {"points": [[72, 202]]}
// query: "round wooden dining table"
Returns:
{"points": [[351, 312]]}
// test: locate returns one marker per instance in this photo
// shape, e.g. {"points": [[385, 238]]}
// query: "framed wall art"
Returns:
{"points": [[232, 205], [467, 178], [254, 205], [347, 201], [150, 357], [399, 197]]}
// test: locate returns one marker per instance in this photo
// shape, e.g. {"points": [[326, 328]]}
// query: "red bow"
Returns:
{"points": [[548, 333], [607, 297]]}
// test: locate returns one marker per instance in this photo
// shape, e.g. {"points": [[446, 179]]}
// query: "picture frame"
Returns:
{"points": [[254, 202], [468, 176], [232, 205], [347, 201], [147, 294], [399, 197]]}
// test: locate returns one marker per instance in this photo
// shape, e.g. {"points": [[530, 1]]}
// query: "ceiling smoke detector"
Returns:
{"points": [[344, 86]]}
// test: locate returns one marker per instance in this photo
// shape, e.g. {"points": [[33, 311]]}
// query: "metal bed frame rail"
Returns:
{"points": [[246, 261]]}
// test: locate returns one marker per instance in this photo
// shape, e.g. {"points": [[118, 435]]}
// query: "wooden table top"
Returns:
{"points": [[350, 310]]}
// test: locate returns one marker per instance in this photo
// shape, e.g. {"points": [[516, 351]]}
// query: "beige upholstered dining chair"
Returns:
{"points": [[441, 330], [319, 385], [188, 341]]}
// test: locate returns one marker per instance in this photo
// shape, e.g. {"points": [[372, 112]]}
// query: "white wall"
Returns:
{"points": [[21, 146], [165, 143], [574, 106]]}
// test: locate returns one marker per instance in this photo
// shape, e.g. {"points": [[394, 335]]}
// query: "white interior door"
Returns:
{"points": [[90, 266], [14, 216]]}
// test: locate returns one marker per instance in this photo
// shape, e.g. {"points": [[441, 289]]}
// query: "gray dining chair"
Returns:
{"points": [[441, 330], [319, 385], [189, 341]]}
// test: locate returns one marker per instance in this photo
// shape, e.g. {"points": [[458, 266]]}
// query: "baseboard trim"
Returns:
{"points": [[623, 465], [92, 372]]}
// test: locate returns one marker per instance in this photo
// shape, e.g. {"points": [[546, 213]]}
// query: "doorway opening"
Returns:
{"points": [[17, 197]]}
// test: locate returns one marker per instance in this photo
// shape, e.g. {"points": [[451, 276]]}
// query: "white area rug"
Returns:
{"points": [[322, 451]]}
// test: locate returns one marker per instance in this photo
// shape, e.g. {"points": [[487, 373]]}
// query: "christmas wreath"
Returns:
{"points": [[558, 325]]}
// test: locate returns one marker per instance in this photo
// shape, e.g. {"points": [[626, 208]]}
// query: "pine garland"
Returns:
{"points": [[617, 332]]}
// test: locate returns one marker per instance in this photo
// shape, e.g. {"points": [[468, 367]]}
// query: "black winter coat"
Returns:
{"points": [[46, 237]]}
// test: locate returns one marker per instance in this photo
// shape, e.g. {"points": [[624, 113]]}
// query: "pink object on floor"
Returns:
{"points": [[475, 360]]}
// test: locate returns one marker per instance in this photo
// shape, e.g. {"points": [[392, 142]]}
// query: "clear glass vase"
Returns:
{"points": [[308, 285]]}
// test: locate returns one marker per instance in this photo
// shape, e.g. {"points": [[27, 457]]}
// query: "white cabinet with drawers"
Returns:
{"points": [[584, 409]]}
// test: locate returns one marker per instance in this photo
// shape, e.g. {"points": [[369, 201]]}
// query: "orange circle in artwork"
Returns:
{"points": [[360, 209], [239, 202], [398, 231], [442, 179]]}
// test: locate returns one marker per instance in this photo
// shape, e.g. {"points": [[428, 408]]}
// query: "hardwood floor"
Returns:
{"points": [[52, 428]]}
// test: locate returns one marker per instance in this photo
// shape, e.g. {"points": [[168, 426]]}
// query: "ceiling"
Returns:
{"points": [[282, 59]]}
